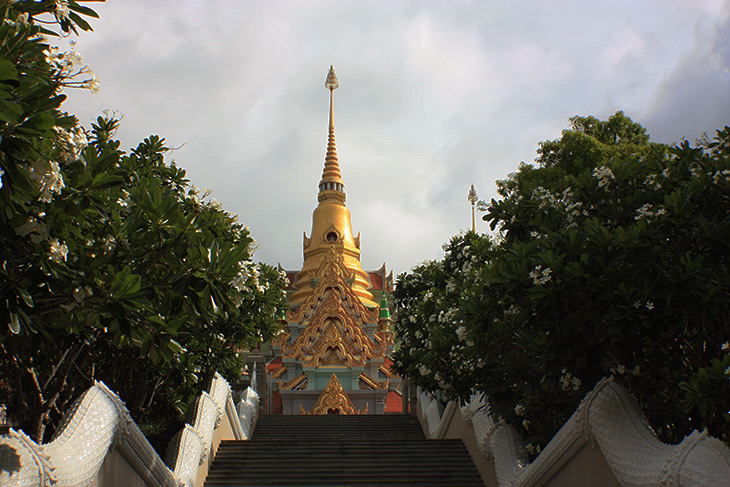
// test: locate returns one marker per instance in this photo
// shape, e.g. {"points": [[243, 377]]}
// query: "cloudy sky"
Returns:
{"points": [[434, 96]]}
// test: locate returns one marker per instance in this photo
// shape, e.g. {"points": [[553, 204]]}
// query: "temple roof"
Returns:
{"points": [[393, 402]]}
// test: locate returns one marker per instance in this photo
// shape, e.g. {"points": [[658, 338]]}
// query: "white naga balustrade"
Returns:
{"points": [[608, 418], [98, 425]]}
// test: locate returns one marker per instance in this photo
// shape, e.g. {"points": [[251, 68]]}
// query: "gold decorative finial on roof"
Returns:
{"points": [[331, 83], [473, 198]]}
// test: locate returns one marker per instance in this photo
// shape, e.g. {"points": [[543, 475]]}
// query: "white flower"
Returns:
{"points": [[604, 176], [726, 346], [461, 333], [49, 179], [650, 180], [74, 59], [58, 251], [61, 9], [727, 371], [540, 276], [109, 243], [568, 381], [284, 277], [71, 142], [720, 176], [525, 424], [53, 56], [512, 310], [519, 410], [645, 212], [38, 231], [649, 305], [93, 84]]}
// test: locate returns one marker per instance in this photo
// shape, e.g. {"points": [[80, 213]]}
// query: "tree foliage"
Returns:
{"points": [[113, 266], [611, 259]]}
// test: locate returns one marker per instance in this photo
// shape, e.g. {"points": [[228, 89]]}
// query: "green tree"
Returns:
{"points": [[612, 260], [435, 344], [114, 267]]}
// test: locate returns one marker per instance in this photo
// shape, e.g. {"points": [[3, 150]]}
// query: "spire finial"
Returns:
{"points": [[472, 197], [331, 178], [331, 83]]}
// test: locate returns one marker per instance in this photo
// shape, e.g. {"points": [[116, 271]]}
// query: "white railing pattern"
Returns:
{"points": [[99, 421], [608, 417]]}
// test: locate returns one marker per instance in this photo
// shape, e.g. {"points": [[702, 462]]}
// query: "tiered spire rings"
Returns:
{"points": [[331, 176]]}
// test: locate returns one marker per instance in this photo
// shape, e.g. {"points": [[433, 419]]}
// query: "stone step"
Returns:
{"points": [[256, 461], [340, 482], [346, 478], [345, 451]]}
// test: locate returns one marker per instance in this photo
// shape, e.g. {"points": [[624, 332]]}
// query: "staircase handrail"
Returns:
{"points": [[608, 417], [98, 421]]}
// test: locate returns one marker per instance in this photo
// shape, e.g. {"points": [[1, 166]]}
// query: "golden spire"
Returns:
{"points": [[331, 228], [331, 176]]}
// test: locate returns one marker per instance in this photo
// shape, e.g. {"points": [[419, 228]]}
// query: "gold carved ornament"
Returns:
{"points": [[276, 374], [332, 274], [281, 339], [333, 329], [368, 383], [333, 400], [298, 382]]}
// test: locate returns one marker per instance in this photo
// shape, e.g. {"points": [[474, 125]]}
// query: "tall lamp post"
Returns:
{"points": [[472, 197]]}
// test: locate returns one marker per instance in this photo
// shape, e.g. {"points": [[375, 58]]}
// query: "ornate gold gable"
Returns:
{"points": [[334, 318], [333, 400], [332, 337], [333, 274]]}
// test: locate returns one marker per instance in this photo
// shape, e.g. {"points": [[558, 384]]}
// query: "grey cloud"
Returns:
{"points": [[418, 119], [696, 98]]}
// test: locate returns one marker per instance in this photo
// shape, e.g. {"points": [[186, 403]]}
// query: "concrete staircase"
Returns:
{"points": [[357, 450]]}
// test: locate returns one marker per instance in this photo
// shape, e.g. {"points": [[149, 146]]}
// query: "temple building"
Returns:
{"points": [[332, 354]]}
